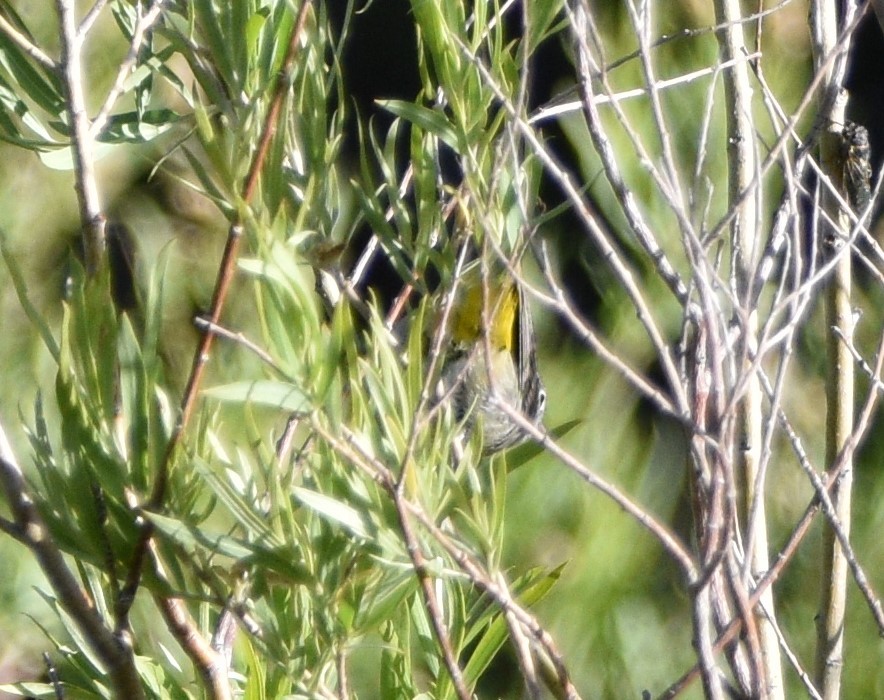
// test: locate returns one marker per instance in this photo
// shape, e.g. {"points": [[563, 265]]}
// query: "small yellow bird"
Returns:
{"points": [[484, 374]]}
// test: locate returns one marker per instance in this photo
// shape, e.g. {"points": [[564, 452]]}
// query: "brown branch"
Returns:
{"points": [[114, 651], [223, 281], [211, 663], [431, 603], [798, 532]]}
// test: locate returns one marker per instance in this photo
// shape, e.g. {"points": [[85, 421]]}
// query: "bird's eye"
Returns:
{"points": [[541, 402]]}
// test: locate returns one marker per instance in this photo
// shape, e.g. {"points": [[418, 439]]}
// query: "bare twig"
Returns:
{"points": [[785, 134], [564, 687], [52, 673], [746, 250], [799, 531], [599, 236], [667, 539], [560, 303], [841, 533], [90, 17], [560, 109], [211, 663], [580, 21], [82, 140], [431, 602], [142, 27], [792, 658], [840, 370], [522, 647], [217, 329], [26, 44]]}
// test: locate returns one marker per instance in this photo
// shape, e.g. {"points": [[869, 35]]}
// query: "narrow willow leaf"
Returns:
{"points": [[529, 589], [282, 561], [29, 690], [44, 91], [281, 395], [430, 120], [335, 511], [30, 310]]}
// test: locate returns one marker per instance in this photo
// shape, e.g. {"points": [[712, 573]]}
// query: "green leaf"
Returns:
{"points": [[240, 506], [62, 159], [527, 451], [283, 560], [191, 537], [29, 690], [73, 629], [430, 120], [386, 598], [281, 395], [335, 511], [44, 91], [30, 310], [528, 590], [138, 127], [256, 677], [209, 19]]}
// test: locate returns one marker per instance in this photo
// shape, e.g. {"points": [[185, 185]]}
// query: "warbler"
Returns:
{"points": [[493, 360]]}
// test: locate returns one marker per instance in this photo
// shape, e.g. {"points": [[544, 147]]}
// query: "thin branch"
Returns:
{"points": [[500, 593], [431, 602], [701, 620], [601, 238], [831, 513], [559, 303], [115, 653], [223, 281], [207, 326], [90, 17], [785, 134], [581, 26], [52, 673], [641, 25], [211, 663], [693, 33], [82, 142], [572, 106], [26, 44], [351, 450], [790, 655], [745, 252], [669, 541], [521, 645], [799, 531], [840, 368], [393, 487], [142, 27]]}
